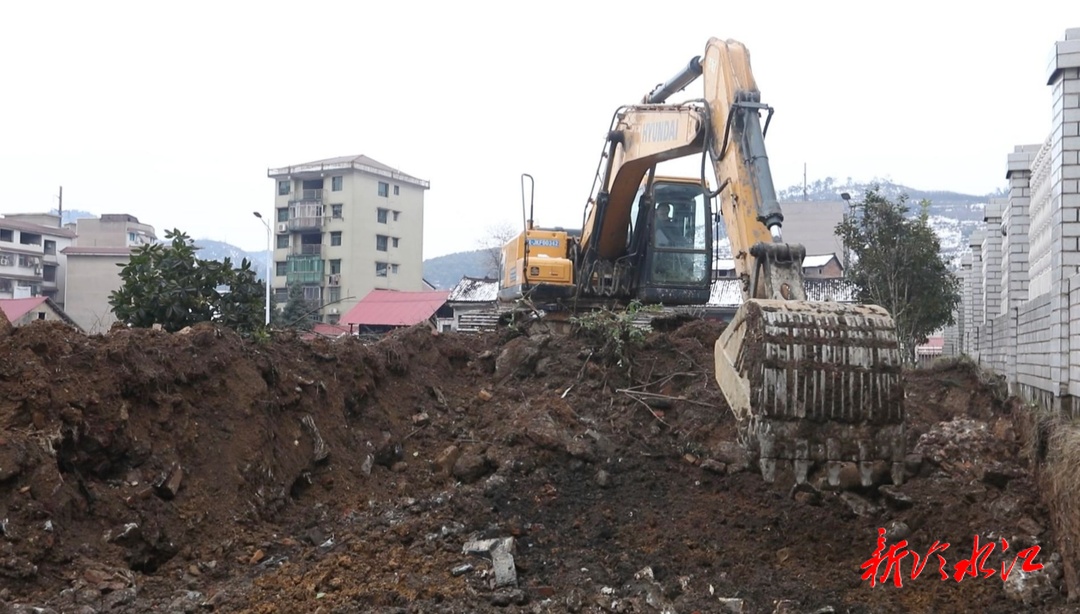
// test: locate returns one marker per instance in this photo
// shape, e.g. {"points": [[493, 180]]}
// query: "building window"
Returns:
{"points": [[283, 214], [333, 318], [335, 267], [282, 241], [335, 294], [132, 237], [395, 243], [384, 189], [381, 213], [335, 183], [393, 269], [335, 238], [380, 269], [7, 235], [396, 214], [397, 190], [283, 187], [281, 295], [380, 242], [335, 212], [282, 269], [50, 247]]}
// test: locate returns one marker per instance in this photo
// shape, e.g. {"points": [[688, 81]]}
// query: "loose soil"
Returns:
{"points": [[143, 471]]}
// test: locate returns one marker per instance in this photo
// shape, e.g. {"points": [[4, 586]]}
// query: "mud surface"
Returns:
{"points": [[144, 471]]}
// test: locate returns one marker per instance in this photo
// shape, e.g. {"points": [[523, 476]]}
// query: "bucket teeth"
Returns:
{"points": [[815, 385]]}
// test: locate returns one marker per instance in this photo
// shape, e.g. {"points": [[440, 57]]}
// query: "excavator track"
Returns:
{"points": [[815, 385]]}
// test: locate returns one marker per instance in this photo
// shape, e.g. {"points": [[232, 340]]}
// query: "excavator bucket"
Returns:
{"points": [[815, 385]]}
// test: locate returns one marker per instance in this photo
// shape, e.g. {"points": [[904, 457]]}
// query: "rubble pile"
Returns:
{"points": [[145, 471]]}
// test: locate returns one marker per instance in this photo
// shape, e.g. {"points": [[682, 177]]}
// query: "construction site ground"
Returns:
{"points": [[147, 471]]}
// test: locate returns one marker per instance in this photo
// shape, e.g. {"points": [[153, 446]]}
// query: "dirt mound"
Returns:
{"points": [[146, 471]]}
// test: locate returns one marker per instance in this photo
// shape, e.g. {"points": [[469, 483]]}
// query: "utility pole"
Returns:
{"points": [[61, 206], [804, 197]]}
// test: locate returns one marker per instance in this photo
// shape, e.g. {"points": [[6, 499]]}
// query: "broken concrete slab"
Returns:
{"points": [[501, 552]]}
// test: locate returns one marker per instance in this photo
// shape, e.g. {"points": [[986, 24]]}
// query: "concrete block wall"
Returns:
{"points": [[1021, 280]]}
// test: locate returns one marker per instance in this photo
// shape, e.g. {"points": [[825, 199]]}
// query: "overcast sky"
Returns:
{"points": [[173, 112]]}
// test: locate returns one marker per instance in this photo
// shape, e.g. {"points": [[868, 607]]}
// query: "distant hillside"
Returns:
{"points": [[444, 272], [219, 250], [954, 216], [70, 215]]}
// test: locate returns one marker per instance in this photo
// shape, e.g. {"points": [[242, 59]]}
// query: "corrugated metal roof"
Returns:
{"points": [[475, 290], [395, 308]]}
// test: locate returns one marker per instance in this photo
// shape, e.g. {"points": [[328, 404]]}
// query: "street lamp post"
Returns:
{"points": [[269, 256]]}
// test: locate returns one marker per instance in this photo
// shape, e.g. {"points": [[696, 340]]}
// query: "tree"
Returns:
{"points": [[495, 237], [897, 264], [296, 313], [169, 285]]}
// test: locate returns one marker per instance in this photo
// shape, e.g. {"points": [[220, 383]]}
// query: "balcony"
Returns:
{"points": [[306, 216], [307, 250], [304, 269]]}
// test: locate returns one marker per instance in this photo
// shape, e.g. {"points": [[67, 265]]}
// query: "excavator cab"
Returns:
{"points": [[671, 235]]}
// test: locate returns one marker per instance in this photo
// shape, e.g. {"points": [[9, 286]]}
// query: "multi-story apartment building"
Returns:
{"points": [[100, 245], [32, 262], [343, 227]]}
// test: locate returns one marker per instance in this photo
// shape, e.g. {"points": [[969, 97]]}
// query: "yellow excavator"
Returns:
{"points": [[813, 385]]}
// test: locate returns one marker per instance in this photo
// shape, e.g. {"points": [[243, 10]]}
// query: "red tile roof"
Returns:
{"points": [[15, 308], [395, 308]]}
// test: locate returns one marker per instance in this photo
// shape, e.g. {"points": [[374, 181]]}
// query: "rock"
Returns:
{"points": [[1036, 587], [581, 449], [998, 474], [896, 530], [859, 505], [895, 497], [461, 570], [913, 464], [421, 419], [118, 598], [258, 556], [786, 606], [714, 466], [733, 605], [471, 466], [805, 494], [494, 484], [1029, 526], [444, 462], [484, 395], [974, 493], [603, 479], [506, 597], [168, 484], [690, 459], [186, 602], [518, 357], [731, 454], [369, 462]]}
